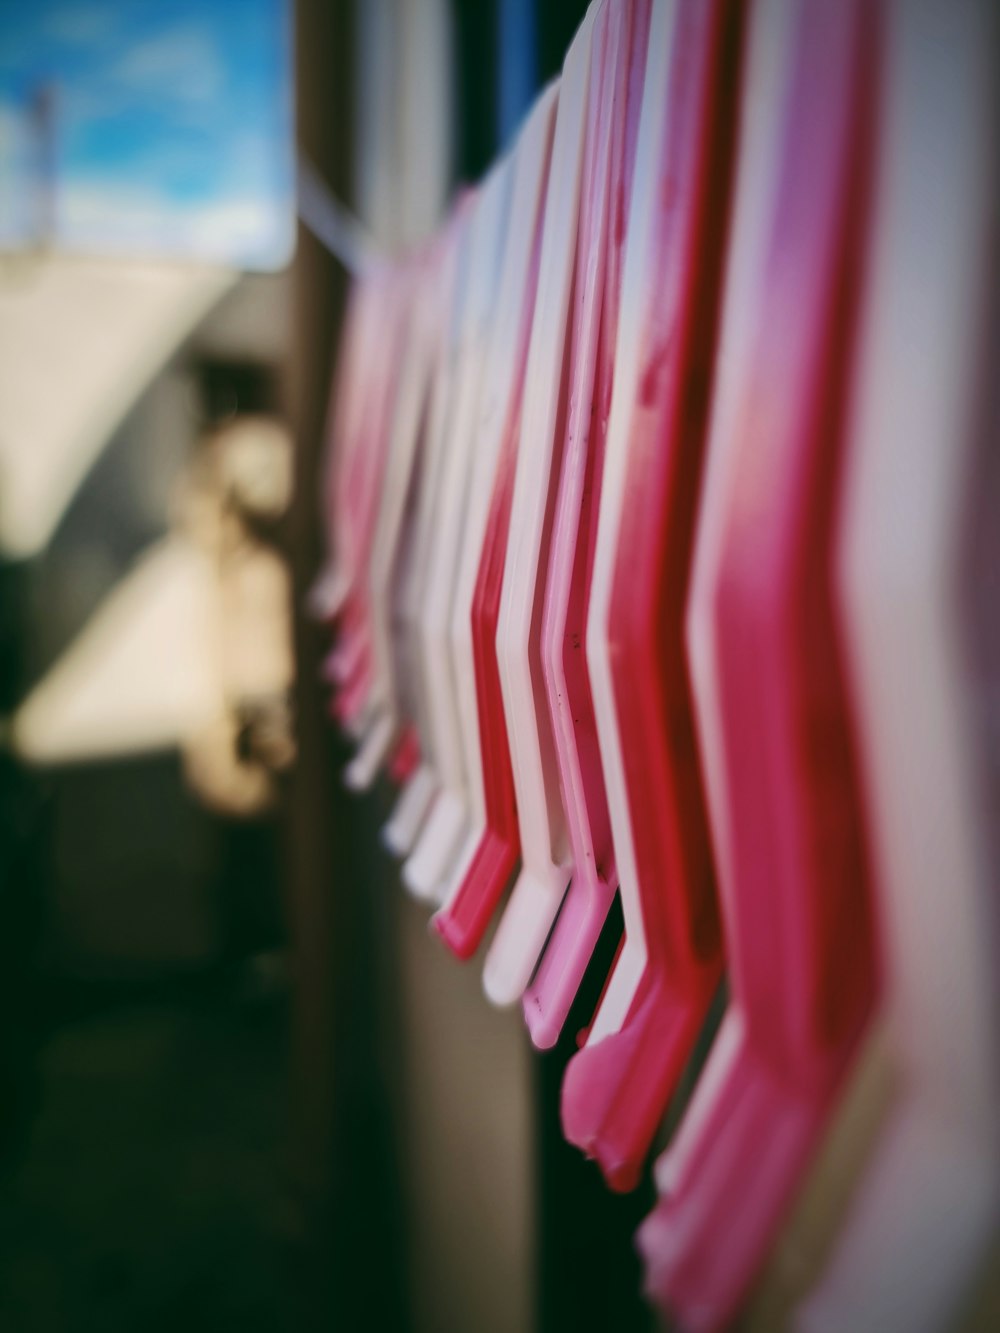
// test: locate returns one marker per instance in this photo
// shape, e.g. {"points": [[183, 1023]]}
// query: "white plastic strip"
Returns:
{"points": [[425, 871], [535, 899], [531, 160]]}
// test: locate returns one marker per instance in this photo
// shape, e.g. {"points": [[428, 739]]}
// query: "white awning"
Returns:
{"points": [[80, 339]]}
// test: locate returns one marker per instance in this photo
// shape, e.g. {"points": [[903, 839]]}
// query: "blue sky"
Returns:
{"points": [[172, 124]]}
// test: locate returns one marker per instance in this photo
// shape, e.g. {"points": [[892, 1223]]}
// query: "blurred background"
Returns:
{"points": [[240, 1086]]}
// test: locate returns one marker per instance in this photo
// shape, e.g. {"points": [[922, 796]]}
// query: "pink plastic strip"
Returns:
{"points": [[797, 907], [616, 95]]}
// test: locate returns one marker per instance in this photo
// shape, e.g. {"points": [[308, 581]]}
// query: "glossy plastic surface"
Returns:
{"points": [[538, 890], [617, 1087], [796, 897], [615, 93], [489, 853], [346, 401], [414, 801], [428, 276], [351, 663], [425, 870], [926, 1212]]}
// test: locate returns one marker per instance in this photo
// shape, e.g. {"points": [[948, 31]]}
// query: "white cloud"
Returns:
{"points": [[249, 231], [181, 62]]}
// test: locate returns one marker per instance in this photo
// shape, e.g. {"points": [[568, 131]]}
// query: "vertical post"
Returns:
{"points": [[345, 1242]]}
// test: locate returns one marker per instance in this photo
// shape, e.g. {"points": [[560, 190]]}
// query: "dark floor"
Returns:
{"points": [[146, 1191]]}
